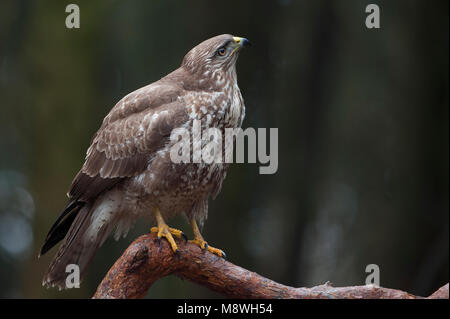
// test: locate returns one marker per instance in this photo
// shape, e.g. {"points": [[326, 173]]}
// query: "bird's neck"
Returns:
{"points": [[212, 80]]}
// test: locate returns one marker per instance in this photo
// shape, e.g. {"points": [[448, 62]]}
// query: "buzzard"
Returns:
{"points": [[128, 172]]}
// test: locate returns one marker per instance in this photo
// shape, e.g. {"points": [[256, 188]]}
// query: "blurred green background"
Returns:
{"points": [[363, 134]]}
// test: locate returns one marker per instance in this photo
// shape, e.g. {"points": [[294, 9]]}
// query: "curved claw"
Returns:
{"points": [[185, 237], [167, 232], [205, 247]]}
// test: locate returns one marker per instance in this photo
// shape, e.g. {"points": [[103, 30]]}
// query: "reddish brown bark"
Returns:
{"points": [[146, 260]]}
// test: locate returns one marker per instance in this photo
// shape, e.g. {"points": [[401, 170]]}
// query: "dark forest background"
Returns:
{"points": [[363, 134]]}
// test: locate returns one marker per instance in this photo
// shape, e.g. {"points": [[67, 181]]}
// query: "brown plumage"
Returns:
{"points": [[128, 172]]}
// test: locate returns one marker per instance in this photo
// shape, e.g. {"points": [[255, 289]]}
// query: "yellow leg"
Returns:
{"points": [[163, 230], [199, 241]]}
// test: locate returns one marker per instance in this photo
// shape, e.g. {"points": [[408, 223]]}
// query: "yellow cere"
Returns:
{"points": [[237, 40]]}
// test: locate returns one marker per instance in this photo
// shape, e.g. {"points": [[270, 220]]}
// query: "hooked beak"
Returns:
{"points": [[240, 43]]}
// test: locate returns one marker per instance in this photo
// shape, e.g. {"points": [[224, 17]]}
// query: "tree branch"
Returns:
{"points": [[147, 259]]}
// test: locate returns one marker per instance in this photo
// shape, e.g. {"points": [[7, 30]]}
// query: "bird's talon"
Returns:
{"points": [[216, 251], [175, 232], [205, 247], [167, 232], [185, 237]]}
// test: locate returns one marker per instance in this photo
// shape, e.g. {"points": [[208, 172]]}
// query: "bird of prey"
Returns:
{"points": [[128, 172]]}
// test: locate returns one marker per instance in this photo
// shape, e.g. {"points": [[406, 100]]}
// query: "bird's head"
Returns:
{"points": [[216, 54]]}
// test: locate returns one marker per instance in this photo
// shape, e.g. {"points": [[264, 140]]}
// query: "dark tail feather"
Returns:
{"points": [[61, 226], [86, 234]]}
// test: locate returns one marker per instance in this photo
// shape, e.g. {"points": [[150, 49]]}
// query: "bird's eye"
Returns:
{"points": [[221, 51]]}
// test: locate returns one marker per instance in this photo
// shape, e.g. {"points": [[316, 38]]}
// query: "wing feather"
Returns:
{"points": [[136, 128]]}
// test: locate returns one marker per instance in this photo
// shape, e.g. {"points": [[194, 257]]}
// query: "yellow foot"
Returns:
{"points": [[204, 246], [167, 232]]}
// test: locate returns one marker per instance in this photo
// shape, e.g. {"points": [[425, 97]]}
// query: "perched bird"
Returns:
{"points": [[128, 172]]}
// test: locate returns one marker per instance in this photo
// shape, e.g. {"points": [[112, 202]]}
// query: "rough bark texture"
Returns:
{"points": [[147, 259]]}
